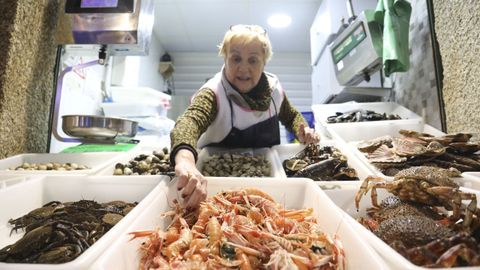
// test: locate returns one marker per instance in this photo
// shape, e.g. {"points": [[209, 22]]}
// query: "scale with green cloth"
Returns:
{"points": [[375, 39], [98, 133]]}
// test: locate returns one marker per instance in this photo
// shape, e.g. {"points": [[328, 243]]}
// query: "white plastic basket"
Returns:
{"points": [[22, 198], [270, 155], [344, 197], [297, 193], [363, 170], [95, 162]]}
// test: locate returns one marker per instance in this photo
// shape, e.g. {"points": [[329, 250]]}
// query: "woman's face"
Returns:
{"points": [[244, 64]]}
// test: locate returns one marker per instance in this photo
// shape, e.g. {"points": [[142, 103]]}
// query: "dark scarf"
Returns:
{"points": [[257, 99]]}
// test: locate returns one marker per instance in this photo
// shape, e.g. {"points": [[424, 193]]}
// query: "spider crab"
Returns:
{"points": [[428, 185]]}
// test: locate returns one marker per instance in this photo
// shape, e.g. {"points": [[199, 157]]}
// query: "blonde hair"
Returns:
{"points": [[247, 34]]}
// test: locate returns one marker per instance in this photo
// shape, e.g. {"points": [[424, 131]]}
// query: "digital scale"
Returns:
{"points": [[357, 51]]}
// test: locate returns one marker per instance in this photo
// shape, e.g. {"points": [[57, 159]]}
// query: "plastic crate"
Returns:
{"points": [[296, 193], [344, 197], [363, 170], [10, 180], [323, 111], [95, 162], [124, 159], [308, 116], [24, 197], [393, 132]]}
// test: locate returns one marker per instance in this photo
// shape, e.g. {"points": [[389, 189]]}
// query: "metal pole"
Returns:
{"points": [[437, 62], [351, 13]]}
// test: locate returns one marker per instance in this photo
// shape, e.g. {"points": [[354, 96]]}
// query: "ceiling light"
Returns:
{"points": [[279, 20]]}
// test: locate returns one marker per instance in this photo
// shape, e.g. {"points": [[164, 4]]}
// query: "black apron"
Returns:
{"points": [[263, 134]]}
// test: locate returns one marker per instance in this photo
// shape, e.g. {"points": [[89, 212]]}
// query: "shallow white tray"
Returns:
{"points": [[360, 131], [343, 196], [468, 179], [7, 181], [473, 176], [95, 161], [323, 111], [286, 151], [295, 193], [270, 155], [124, 159], [22, 198]]}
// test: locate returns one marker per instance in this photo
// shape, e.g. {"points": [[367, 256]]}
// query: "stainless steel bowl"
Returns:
{"points": [[98, 127]]}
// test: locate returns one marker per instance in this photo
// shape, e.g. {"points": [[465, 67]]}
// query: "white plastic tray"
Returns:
{"points": [[296, 193], [270, 155], [95, 161], [124, 159], [24, 197], [472, 175], [286, 151], [344, 196], [468, 179], [359, 131], [7, 181], [323, 111]]}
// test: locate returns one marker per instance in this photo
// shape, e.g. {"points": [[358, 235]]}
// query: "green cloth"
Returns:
{"points": [[394, 16], [117, 147]]}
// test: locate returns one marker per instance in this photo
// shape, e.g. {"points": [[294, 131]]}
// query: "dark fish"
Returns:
{"points": [[320, 171]]}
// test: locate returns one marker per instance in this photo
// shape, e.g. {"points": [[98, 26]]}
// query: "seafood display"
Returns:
{"points": [[60, 232], [240, 229], [392, 154], [49, 166], [425, 220], [155, 164], [360, 115], [237, 165], [320, 163]]}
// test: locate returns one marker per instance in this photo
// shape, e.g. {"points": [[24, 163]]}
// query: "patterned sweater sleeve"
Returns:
{"points": [[290, 117], [193, 123]]}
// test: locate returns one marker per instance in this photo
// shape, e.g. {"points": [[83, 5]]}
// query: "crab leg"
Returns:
{"points": [[365, 187], [454, 197], [449, 258]]}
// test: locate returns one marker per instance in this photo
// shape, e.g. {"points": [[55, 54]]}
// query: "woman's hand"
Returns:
{"points": [[307, 135], [191, 183]]}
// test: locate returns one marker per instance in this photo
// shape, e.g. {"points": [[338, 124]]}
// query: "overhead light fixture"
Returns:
{"points": [[279, 20]]}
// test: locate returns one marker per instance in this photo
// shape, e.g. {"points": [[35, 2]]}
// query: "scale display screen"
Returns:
{"points": [[98, 3], [349, 43], [99, 6]]}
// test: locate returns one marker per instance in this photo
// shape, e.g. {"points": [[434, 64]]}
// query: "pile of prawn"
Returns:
{"points": [[242, 229]]}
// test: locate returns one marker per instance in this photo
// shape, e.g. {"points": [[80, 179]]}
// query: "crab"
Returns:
{"points": [[428, 185], [460, 249]]}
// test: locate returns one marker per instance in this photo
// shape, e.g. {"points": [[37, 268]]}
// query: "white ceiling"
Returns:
{"points": [[199, 25]]}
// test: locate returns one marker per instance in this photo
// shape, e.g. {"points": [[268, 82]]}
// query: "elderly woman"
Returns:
{"points": [[239, 107]]}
